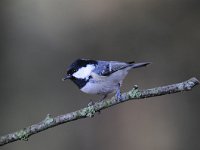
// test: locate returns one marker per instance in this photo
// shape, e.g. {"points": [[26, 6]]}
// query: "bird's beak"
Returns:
{"points": [[66, 77]]}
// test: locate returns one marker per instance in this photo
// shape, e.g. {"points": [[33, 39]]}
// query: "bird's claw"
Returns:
{"points": [[118, 96]]}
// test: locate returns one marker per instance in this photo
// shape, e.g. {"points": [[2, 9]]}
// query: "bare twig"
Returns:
{"points": [[89, 111]]}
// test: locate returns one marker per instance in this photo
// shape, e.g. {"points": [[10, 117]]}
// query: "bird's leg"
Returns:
{"points": [[118, 93], [103, 97]]}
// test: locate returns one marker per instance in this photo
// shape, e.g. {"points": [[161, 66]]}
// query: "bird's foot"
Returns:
{"points": [[118, 96]]}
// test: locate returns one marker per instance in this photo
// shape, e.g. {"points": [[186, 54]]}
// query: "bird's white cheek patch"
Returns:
{"points": [[84, 72]]}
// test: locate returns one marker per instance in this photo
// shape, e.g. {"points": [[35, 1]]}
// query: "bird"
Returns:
{"points": [[100, 77]]}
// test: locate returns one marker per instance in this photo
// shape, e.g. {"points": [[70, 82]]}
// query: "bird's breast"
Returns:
{"points": [[104, 84]]}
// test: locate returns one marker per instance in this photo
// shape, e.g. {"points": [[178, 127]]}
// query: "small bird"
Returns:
{"points": [[100, 77]]}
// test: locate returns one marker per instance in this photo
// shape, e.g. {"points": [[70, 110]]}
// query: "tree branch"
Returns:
{"points": [[89, 111]]}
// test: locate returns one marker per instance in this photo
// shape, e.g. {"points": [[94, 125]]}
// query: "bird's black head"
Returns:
{"points": [[79, 71]]}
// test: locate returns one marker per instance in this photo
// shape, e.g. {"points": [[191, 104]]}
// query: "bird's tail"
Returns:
{"points": [[138, 65]]}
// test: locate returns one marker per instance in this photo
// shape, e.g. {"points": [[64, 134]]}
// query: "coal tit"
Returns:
{"points": [[100, 77]]}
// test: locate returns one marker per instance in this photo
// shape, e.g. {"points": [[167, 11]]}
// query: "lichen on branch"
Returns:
{"points": [[90, 111]]}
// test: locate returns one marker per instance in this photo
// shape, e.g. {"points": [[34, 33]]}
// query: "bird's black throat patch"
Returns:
{"points": [[80, 82]]}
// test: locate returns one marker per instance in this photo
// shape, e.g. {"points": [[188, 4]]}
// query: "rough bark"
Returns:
{"points": [[89, 111]]}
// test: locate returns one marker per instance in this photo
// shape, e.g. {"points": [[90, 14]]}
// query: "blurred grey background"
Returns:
{"points": [[40, 38]]}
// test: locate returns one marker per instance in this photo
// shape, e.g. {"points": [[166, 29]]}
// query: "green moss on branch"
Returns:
{"points": [[90, 111]]}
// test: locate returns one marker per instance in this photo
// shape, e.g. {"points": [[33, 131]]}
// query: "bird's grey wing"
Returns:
{"points": [[106, 68]]}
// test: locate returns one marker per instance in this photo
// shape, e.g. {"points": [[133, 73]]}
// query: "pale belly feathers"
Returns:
{"points": [[105, 84]]}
